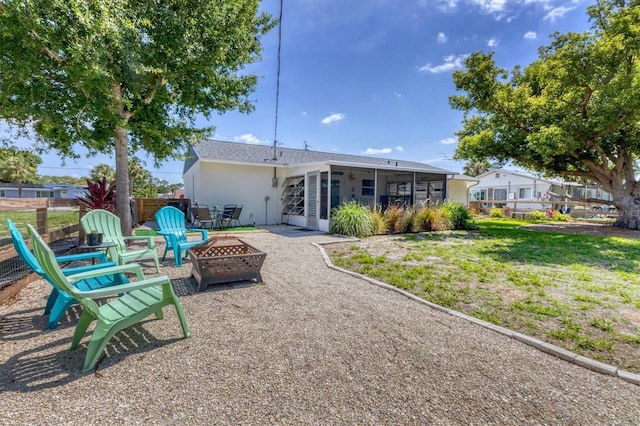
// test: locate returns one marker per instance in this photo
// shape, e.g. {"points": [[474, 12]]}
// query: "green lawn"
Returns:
{"points": [[56, 220], [579, 292]]}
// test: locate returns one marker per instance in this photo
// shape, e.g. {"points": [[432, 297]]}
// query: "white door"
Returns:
{"points": [[313, 201]]}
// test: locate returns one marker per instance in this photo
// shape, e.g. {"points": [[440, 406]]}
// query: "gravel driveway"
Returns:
{"points": [[310, 345]]}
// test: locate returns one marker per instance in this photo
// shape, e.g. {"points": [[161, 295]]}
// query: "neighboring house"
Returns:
{"points": [[11, 190], [300, 187], [524, 191]]}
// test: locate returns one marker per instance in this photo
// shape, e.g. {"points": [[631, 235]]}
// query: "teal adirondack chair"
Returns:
{"points": [[171, 222], [108, 224], [59, 302], [136, 300]]}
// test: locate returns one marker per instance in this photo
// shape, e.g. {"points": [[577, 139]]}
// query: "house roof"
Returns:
{"points": [[234, 152]]}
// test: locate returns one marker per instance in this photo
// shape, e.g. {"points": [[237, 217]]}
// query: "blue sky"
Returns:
{"points": [[373, 77]]}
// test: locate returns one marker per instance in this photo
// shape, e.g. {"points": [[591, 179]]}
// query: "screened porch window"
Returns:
{"points": [[293, 196]]}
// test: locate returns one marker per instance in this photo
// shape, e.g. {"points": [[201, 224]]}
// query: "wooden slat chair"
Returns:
{"points": [[59, 301], [108, 224], [171, 222], [136, 300]]}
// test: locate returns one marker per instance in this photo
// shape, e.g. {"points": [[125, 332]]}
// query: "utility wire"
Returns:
{"points": [[275, 130]]}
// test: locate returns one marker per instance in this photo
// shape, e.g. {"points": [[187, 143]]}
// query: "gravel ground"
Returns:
{"points": [[310, 345]]}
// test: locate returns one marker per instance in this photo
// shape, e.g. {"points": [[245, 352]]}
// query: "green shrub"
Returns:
{"points": [[379, 223], [538, 215], [430, 219], [352, 219], [561, 217], [457, 215], [405, 221], [497, 212], [391, 216]]}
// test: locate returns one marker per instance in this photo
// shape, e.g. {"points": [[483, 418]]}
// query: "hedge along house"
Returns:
{"points": [[300, 187]]}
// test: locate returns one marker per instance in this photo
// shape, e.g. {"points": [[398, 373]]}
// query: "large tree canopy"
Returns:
{"points": [[119, 76], [574, 112]]}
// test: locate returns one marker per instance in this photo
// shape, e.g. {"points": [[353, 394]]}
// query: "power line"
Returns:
{"points": [[275, 129]]}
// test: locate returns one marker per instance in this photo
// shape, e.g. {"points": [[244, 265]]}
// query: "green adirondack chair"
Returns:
{"points": [[142, 298], [171, 222], [108, 224]]}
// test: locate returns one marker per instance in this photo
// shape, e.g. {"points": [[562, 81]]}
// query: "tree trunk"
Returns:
{"points": [[123, 208], [628, 212]]}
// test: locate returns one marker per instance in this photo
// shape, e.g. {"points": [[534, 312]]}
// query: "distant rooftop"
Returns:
{"points": [[235, 152]]}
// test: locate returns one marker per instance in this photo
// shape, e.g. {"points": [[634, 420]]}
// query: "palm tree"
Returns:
{"points": [[19, 170], [102, 171]]}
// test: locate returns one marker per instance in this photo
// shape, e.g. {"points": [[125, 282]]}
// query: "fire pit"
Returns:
{"points": [[225, 259]]}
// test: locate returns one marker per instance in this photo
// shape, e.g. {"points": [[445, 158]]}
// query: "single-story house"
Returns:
{"points": [[11, 190], [300, 187], [525, 191]]}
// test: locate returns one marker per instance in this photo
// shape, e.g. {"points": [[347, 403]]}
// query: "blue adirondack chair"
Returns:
{"points": [[59, 301], [136, 300], [171, 222]]}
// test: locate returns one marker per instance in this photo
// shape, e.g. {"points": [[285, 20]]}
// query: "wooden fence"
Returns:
{"points": [[41, 208], [147, 207]]}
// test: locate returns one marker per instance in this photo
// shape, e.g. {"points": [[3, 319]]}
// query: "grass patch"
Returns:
{"points": [[581, 292], [55, 219]]}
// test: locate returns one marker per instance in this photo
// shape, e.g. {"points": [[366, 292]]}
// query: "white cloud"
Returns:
{"points": [[304, 113], [397, 95], [492, 42], [441, 38], [450, 63], [374, 151], [399, 149], [338, 116], [530, 35], [490, 6], [556, 13], [248, 138], [448, 141]]}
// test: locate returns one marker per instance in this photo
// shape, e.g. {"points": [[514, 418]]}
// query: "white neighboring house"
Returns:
{"points": [[300, 187], [524, 192]]}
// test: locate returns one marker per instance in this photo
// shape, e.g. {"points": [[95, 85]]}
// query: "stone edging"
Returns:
{"points": [[557, 351]]}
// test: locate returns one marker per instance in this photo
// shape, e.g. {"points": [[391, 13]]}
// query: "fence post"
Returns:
{"points": [[81, 212], [41, 220]]}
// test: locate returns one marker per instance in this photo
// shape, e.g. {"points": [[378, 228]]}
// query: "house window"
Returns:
{"points": [[500, 194], [368, 187], [524, 193], [3, 194], [479, 195], [44, 194]]}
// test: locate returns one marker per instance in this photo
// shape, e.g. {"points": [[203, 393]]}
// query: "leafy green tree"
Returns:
{"points": [[475, 168], [574, 112], [67, 180], [119, 76], [102, 171], [139, 177], [17, 169]]}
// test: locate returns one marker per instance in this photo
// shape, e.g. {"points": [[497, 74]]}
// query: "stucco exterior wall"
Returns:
{"points": [[219, 184]]}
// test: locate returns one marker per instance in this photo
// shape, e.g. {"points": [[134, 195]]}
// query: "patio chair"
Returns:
{"points": [[108, 224], [204, 217], [133, 302], [172, 227], [232, 217], [58, 301]]}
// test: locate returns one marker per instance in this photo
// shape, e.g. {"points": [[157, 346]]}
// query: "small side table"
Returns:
{"points": [[94, 247]]}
